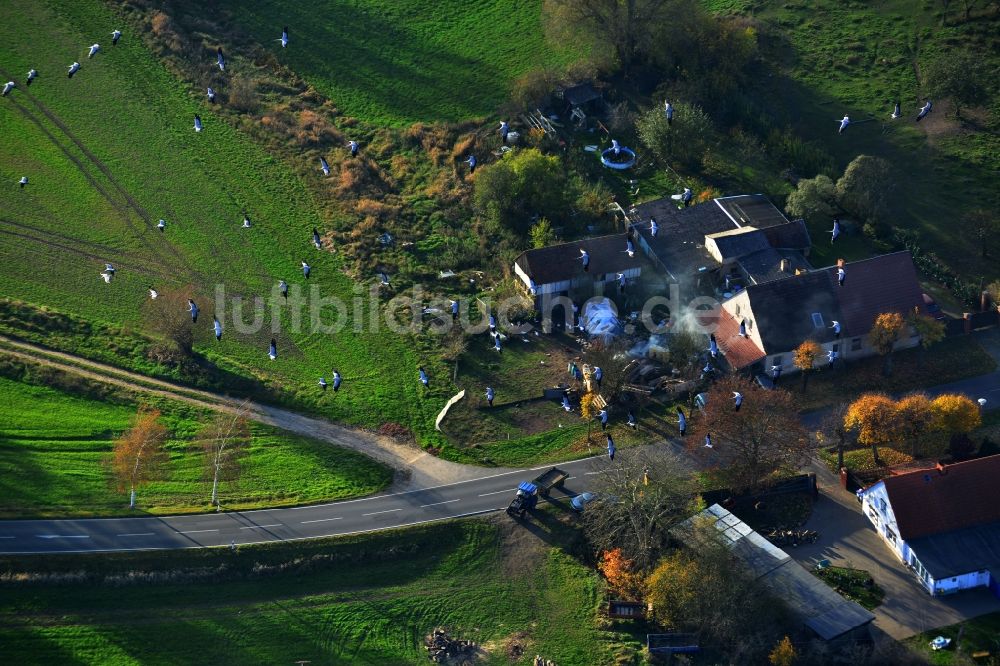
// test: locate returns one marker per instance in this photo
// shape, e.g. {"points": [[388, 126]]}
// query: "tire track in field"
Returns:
{"points": [[73, 250], [141, 212]]}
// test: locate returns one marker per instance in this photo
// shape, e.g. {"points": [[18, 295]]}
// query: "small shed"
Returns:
{"points": [[581, 95], [626, 610]]}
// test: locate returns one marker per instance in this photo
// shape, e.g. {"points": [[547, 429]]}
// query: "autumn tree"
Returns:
{"points": [[784, 653], [635, 516], [623, 579], [763, 438], [873, 417], [930, 330], [955, 414], [804, 358], [885, 333], [588, 410], [139, 455], [225, 439], [612, 359], [914, 419]]}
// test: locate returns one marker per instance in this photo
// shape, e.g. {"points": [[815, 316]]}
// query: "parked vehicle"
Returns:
{"points": [[528, 492]]}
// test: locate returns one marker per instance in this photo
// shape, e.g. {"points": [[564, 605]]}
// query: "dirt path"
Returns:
{"points": [[414, 467]]}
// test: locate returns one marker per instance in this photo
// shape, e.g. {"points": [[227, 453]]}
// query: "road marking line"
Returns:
{"points": [[197, 531], [570, 477], [436, 503], [591, 473], [375, 513], [7, 537], [322, 520], [497, 492], [138, 534], [63, 536], [257, 527]]}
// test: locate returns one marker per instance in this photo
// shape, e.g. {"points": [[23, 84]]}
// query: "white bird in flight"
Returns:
{"points": [[246, 222], [284, 37], [272, 351], [197, 123], [73, 69], [115, 36], [895, 112], [194, 310], [23, 181], [324, 166], [32, 75], [220, 59], [7, 87], [306, 269], [383, 279], [629, 248], [161, 225], [108, 273], [94, 48], [316, 239], [844, 122], [924, 110], [153, 293], [211, 95], [217, 325]]}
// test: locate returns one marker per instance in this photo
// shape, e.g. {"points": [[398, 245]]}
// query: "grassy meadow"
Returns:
{"points": [[53, 445], [111, 151], [404, 61], [358, 600]]}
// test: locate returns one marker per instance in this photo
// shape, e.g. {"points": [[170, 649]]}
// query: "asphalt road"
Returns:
{"points": [[379, 512]]}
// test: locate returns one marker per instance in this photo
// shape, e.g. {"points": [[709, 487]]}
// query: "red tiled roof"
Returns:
{"points": [[929, 502], [887, 283], [739, 351]]}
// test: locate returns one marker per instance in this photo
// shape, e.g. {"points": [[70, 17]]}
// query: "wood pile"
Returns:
{"points": [[443, 649]]}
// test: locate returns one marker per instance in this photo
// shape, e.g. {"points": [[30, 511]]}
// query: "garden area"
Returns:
{"points": [[853, 584], [975, 641]]}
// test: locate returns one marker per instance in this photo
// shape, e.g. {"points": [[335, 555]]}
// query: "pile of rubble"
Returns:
{"points": [[443, 649]]}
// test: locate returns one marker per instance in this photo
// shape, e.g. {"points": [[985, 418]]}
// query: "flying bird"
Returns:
{"points": [[115, 36], [841, 276], [217, 325], [844, 122], [337, 379], [621, 281], [197, 123], [629, 248], [153, 293], [211, 95], [496, 344], [490, 395], [324, 166], [272, 351], [708, 440], [322, 383], [836, 327], [532, 287], [194, 310], [631, 422], [471, 161], [73, 69], [924, 110], [316, 239], [743, 328], [738, 399], [713, 345], [7, 87], [32, 75], [565, 404], [108, 273], [835, 232], [383, 279], [355, 147], [423, 377], [306, 269], [654, 228], [108, 268], [493, 323], [221, 59], [585, 259], [94, 48], [23, 181], [832, 356], [161, 225], [283, 288], [611, 448], [284, 37], [895, 112], [504, 130], [616, 147], [246, 221]]}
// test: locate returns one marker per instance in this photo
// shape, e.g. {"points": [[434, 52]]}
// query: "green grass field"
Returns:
{"points": [[359, 600], [399, 62], [980, 634], [52, 446], [111, 151]]}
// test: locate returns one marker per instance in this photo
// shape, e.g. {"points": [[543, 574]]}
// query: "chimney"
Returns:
{"points": [[840, 263], [784, 265]]}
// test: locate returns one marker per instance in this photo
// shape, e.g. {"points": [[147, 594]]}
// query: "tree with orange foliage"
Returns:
{"points": [[875, 418], [138, 456], [588, 410], [955, 414], [784, 653], [764, 437], [930, 330], [914, 419], [619, 571], [885, 333], [804, 357]]}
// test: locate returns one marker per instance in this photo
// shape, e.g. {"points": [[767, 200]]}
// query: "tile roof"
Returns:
{"points": [[887, 283], [765, 265], [960, 551], [962, 495], [557, 263], [735, 243], [782, 310], [789, 236], [738, 351]]}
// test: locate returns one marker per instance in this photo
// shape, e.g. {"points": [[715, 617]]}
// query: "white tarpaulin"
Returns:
{"points": [[599, 319]]}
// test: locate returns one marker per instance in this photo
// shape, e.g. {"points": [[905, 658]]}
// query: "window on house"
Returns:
{"points": [[817, 320], [890, 536], [737, 310], [881, 504], [856, 344], [749, 324]]}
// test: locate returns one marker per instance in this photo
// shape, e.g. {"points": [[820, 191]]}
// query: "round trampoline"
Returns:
{"points": [[625, 158]]}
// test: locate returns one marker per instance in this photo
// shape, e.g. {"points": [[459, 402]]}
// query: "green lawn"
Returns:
{"points": [[358, 600], [111, 151], [854, 584], [52, 445], [401, 61], [981, 634]]}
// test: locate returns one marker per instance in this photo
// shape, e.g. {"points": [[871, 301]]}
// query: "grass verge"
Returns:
{"points": [[980, 634]]}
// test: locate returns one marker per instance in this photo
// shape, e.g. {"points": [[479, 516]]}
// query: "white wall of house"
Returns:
{"points": [[739, 307], [564, 286]]}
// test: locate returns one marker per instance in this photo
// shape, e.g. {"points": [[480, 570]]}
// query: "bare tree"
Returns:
{"points": [[167, 316], [636, 507], [764, 436], [225, 440], [139, 456], [832, 429]]}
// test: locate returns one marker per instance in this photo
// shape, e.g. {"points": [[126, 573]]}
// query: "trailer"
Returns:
{"points": [[528, 492]]}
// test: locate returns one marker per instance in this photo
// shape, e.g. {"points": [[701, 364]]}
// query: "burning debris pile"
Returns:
{"points": [[443, 649]]}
